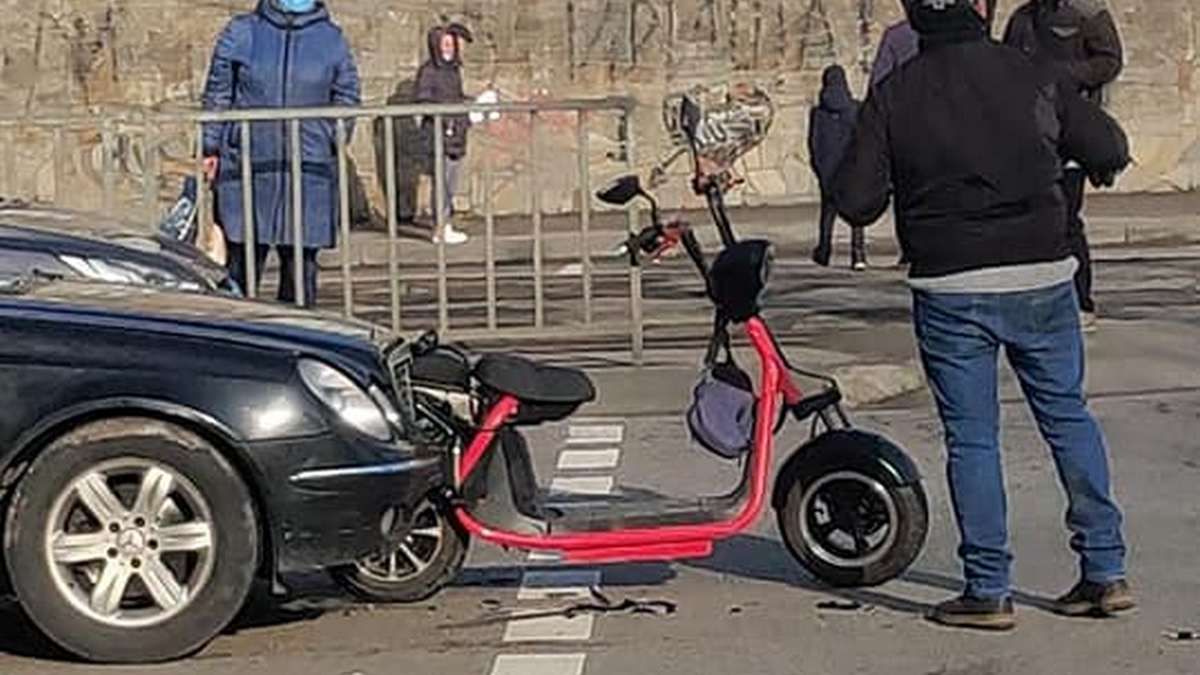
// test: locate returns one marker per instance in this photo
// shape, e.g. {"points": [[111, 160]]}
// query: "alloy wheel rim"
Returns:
{"points": [[130, 542], [848, 519], [412, 556]]}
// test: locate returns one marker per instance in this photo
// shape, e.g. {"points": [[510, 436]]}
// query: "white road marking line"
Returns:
{"points": [[563, 584], [606, 434], [569, 584], [550, 629], [539, 664], [572, 460], [583, 485]]}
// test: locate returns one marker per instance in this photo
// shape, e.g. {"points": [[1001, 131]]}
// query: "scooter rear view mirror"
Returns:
{"points": [[621, 191]]}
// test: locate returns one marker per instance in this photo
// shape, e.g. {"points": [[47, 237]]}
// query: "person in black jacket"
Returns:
{"points": [[1075, 41], [971, 138], [439, 80], [830, 128]]}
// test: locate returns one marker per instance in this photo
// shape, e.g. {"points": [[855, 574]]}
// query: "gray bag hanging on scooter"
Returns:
{"points": [[721, 416]]}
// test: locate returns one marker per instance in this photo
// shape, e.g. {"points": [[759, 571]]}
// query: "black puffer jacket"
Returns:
{"points": [[971, 138], [1076, 39], [440, 81], [831, 124]]}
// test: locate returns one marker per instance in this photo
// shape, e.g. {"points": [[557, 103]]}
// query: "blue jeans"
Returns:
{"points": [[960, 336]]}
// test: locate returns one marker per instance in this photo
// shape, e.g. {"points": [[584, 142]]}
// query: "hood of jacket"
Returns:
{"points": [[268, 10], [835, 90], [434, 38]]}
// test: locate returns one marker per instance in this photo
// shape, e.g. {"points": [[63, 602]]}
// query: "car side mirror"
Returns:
{"points": [[621, 191]]}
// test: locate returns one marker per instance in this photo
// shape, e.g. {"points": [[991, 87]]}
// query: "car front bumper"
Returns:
{"points": [[328, 502]]}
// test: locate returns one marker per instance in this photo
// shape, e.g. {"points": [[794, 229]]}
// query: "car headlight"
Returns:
{"points": [[353, 405]]}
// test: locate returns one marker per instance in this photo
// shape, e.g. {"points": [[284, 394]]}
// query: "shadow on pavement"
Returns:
{"points": [[762, 559]]}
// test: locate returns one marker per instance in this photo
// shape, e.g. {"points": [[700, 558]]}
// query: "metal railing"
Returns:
{"points": [[585, 111]]}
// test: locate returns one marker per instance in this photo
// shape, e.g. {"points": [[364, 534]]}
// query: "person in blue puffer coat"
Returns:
{"points": [[284, 54]]}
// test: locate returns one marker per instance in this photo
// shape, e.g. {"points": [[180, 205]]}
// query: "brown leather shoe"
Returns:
{"points": [[981, 613], [1089, 598]]}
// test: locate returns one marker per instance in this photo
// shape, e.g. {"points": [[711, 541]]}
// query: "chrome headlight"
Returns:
{"points": [[352, 404]]}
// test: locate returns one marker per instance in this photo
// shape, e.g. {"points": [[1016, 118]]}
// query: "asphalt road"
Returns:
{"points": [[750, 608]]}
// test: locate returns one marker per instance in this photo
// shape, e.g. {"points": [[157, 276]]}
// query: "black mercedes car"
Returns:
{"points": [[159, 449], [49, 241]]}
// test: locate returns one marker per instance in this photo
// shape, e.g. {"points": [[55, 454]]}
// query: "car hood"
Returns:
{"points": [[199, 315]]}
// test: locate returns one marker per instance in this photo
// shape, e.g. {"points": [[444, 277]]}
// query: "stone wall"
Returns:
{"points": [[96, 56]]}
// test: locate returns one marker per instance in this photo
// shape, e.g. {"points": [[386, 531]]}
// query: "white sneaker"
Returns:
{"points": [[450, 236], [1087, 322]]}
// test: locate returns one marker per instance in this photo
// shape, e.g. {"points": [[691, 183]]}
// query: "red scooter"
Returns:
{"points": [[850, 504]]}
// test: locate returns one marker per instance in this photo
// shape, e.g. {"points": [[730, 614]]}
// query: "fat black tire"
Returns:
{"points": [[235, 555], [912, 527], [444, 567]]}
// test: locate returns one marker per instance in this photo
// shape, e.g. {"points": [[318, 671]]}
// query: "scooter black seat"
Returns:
{"points": [[443, 367], [546, 393]]}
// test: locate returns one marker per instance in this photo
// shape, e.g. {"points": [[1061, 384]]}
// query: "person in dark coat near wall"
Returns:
{"points": [[439, 80], [971, 138], [830, 130], [1075, 42], [285, 54]]}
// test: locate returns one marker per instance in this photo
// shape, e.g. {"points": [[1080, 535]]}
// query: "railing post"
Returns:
{"points": [[249, 222], [389, 172], [10, 161], [489, 252], [297, 214], [150, 170], [60, 165], [439, 204], [585, 212], [637, 325], [108, 171], [344, 217], [201, 181], [535, 210]]}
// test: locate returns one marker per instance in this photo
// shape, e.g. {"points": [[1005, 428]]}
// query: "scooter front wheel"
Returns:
{"points": [[414, 569], [851, 526]]}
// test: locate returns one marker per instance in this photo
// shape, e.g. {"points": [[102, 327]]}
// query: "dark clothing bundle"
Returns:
{"points": [[1074, 39], [972, 137], [440, 81]]}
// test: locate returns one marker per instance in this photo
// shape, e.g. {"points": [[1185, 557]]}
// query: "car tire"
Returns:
{"points": [[197, 529], [835, 563], [395, 577]]}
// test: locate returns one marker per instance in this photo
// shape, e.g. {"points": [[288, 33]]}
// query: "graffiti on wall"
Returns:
{"points": [[752, 35]]}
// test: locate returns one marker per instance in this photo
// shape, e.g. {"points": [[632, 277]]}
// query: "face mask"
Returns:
{"points": [[296, 6]]}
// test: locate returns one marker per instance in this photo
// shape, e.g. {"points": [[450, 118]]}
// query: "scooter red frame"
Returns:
{"points": [[649, 543]]}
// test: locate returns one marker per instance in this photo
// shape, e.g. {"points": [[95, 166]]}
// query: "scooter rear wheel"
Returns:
{"points": [[851, 526], [418, 567]]}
